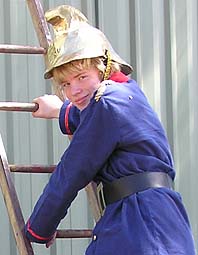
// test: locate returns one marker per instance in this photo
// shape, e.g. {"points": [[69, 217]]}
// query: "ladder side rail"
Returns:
{"points": [[92, 197], [40, 24], [12, 204], [44, 37]]}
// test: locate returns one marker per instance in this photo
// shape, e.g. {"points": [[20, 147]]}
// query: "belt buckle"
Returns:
{"points": [[100, 197]]}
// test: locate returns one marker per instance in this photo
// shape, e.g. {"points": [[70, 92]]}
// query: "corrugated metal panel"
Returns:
{"points": [[167, 71], [159, 38], [184, 89]]}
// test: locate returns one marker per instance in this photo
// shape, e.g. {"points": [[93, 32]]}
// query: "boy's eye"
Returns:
{"points": [[66, 84], [82, 77]]}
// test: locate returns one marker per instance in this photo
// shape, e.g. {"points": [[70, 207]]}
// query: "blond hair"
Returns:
{"points": [[60, 73]]}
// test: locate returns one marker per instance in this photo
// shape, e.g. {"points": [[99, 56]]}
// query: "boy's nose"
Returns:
{"points": [[75, 89]]}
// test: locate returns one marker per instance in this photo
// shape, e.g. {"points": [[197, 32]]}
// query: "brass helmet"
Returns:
{"points": [[75, 39]]}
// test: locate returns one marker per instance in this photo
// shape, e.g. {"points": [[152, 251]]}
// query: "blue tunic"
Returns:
{"points": [[117, 136]]}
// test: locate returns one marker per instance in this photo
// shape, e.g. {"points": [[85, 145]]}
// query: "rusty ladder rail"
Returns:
{"points": [[7, 186]]}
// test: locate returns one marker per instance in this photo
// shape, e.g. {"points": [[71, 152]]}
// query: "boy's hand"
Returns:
{"points": [[49, 107], [51, 241]]}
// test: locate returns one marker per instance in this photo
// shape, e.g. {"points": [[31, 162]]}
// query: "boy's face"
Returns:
{"points": [[80, 86]]}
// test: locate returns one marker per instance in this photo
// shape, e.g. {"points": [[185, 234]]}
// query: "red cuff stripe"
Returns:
{"points": [[35, 235], [67, 119]]}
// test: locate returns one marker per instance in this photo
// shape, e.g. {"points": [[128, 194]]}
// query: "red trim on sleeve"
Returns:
{"points": [[67, 119], [35, 235]]}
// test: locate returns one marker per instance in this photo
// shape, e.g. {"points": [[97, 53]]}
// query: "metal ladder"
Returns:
{"points": [[7, 186]]}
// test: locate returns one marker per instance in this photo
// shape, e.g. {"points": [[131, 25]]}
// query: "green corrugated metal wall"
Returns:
{"points": [[159, 38]]}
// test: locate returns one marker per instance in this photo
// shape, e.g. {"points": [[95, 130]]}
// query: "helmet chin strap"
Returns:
{"points": [[108, 66]]}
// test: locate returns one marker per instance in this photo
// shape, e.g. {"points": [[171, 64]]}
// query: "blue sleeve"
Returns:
{"points": [[92, 144], [69, 118]]}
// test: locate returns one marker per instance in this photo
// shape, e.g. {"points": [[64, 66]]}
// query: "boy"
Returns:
{"points": [[117, 140]]}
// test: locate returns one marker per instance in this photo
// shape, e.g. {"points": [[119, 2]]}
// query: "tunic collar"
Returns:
{"points": [[119, 77]]}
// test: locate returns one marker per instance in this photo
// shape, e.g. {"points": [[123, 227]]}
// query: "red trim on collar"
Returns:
{"points": [[119, 77]]}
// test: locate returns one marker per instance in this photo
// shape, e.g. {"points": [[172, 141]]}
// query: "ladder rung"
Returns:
{"points": [[70, 233], [19, 49], [19, 107], [32, 168]]}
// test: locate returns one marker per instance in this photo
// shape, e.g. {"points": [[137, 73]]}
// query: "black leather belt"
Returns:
{"points": [[128, 185]]}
